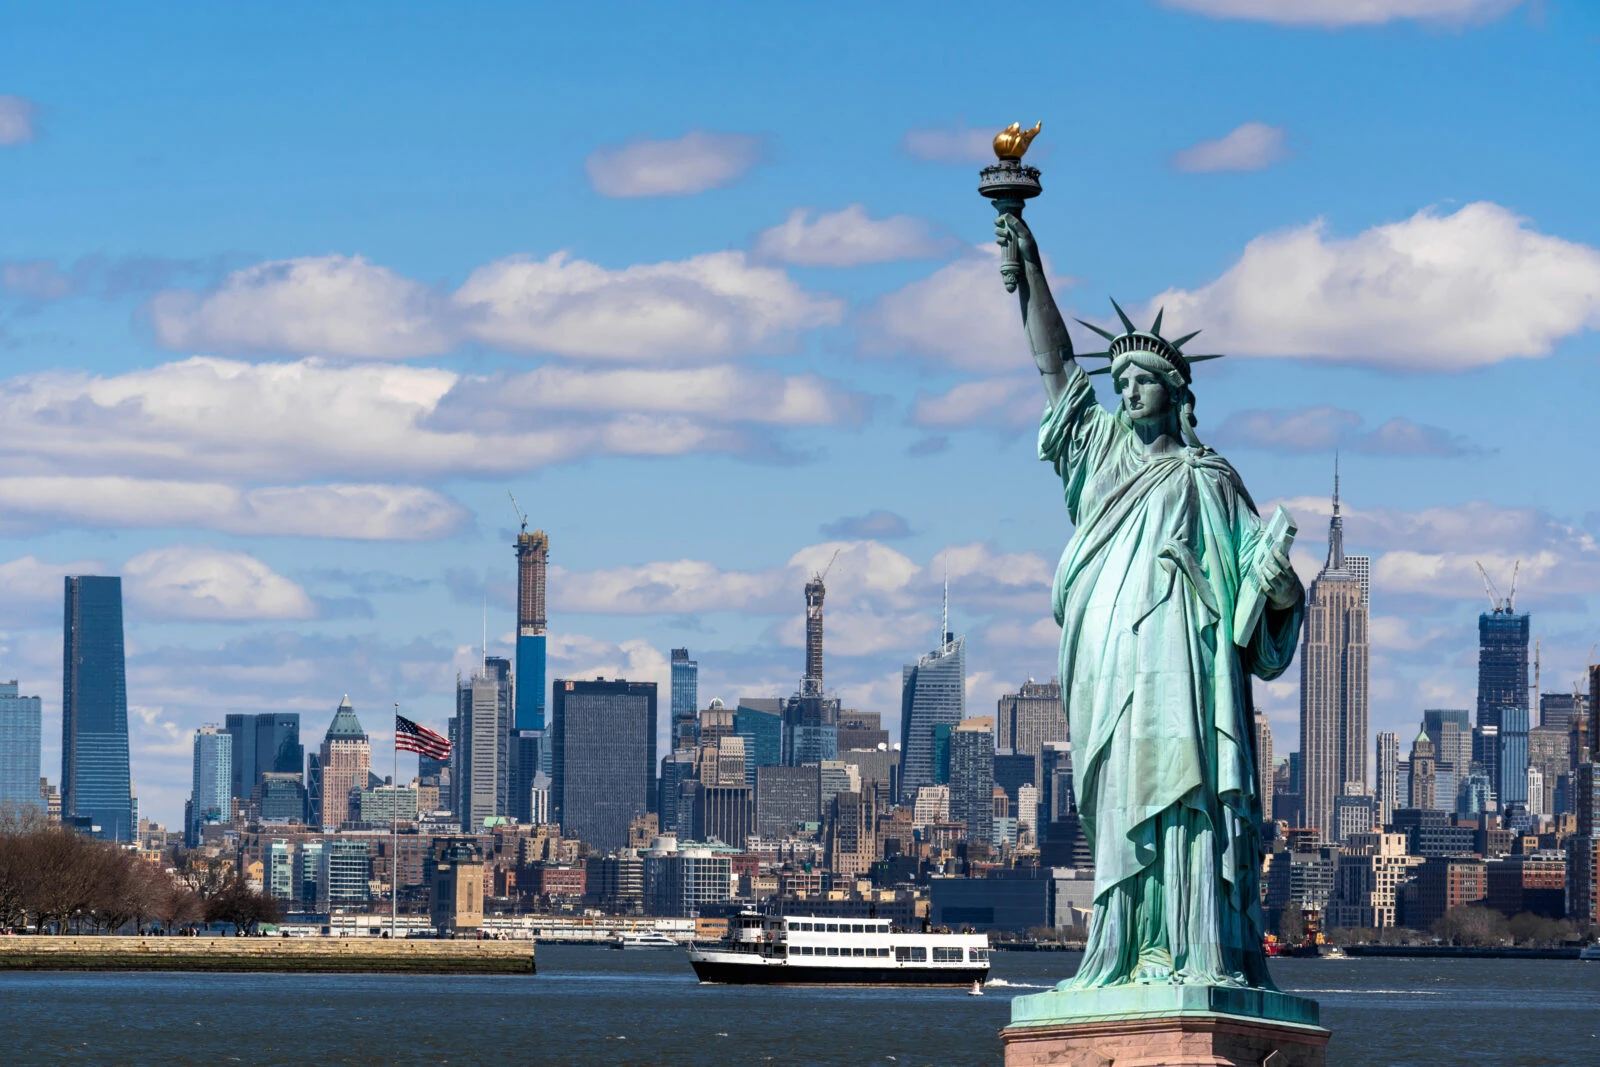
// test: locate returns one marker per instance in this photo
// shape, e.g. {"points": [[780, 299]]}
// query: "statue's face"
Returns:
{"points": [[1144, 394]]}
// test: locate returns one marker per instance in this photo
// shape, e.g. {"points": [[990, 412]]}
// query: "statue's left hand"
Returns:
{"points": [[1278, 580]]}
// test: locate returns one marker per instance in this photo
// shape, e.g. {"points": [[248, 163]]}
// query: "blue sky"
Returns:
{"points": [[290, 297]]}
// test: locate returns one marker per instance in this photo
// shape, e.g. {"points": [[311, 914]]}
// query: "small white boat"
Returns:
{"points": [[647, 940], [1590, 952], [976, 990]]}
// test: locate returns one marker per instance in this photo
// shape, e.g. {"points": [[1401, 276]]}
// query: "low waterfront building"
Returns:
{"points": [[679, 882], [1013, 899], [1369, 875], [1446, 882], [456, 886], [1533, 882]]}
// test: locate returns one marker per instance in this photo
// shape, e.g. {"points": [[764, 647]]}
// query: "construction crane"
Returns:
{"points": [[822, 574], [1498, 604], [524, 519]]}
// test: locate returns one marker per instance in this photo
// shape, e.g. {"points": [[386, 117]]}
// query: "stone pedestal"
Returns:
{"points": [[1170, 1026]]}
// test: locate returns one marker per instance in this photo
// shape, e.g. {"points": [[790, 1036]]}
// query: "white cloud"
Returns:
{"points": [[1434, 292], [703, 308], [847, 238], [866, 577], [199, 582], [690, 164], [1322, 428], [1434, 552], [1007, 403], [1252, 146], [224, 420], [361, 512], [1332, 14], [316, 305], [16, 120], [959, 143], [580, 656], [960, 316], [706, 307], [32, 589]]}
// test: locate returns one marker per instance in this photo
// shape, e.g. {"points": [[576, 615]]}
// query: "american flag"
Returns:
{"points": [[413, 738]]}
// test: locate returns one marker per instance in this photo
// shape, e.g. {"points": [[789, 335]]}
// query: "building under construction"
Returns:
{"points": [[533, 557]]}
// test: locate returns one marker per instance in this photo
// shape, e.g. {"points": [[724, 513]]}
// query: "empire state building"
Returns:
{"points": [[1334, 679]]}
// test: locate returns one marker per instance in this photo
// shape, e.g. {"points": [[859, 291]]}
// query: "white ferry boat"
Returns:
{"points": [[813, 950], [643, 940], [1590, 952]]}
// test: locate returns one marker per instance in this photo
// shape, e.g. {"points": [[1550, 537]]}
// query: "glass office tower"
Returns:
{"points": [[95, 787], [19, 748]]}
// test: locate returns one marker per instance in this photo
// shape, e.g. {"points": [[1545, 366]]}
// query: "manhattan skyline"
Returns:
{"points": [[274, 355]]}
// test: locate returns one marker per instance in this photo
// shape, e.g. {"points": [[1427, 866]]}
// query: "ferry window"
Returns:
{"points": [[833, 928], [980, 955], [911, 954], [858, 929], [859, 951], [946, 955], [833, 950]]}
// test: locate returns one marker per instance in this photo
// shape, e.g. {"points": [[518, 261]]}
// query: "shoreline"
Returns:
{"points": [[311, 955]]}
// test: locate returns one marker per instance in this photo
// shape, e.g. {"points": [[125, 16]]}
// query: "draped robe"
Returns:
{"points": [[1158, 697]]}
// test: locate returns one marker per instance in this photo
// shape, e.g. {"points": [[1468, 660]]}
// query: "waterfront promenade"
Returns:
{"points": [[300, 955]]}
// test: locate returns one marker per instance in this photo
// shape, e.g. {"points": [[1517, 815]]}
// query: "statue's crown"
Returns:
{"points": [[1137, 340]]}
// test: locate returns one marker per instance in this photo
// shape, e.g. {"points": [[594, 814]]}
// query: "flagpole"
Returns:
{"points": [[394, 829]]}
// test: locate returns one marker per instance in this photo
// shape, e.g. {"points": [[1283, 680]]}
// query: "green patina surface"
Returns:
{"points": [[1160, 1001]]}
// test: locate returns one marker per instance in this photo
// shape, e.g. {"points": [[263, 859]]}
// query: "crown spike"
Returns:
{"points": [[1123, 315], [1099, 370], [1180, 342], [1109, 336], [1201, 359], [1092, 355], [1155, 327]]}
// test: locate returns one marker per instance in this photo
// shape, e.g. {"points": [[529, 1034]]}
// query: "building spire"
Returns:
{"points": [[1336, 525], [944, 620]]}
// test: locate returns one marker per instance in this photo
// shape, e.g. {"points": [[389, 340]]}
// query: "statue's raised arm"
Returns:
{"points": [[1047, 331]]}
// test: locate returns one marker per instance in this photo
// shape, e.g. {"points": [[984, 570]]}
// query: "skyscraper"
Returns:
{"points": [[972, 777], [483, 714], [344, 764], [95, 781], [685, 699], [603, 737], [1423, 788], [19, 748], [811, 682], [533, 557], [278, 747], [1264, 764], [1333, 679], [242, 772], [1388, 776], [1511, 757], [1502, 662], [1029, 717], [210, 792], [933, 692]]}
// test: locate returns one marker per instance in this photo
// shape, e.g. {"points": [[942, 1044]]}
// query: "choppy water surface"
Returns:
{"points": [[595, 1005]]}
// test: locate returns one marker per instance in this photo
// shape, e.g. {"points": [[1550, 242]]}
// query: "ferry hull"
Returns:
{"points": [[721, 973]]}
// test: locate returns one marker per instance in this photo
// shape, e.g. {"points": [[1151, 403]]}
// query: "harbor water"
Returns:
{"points": [[593, 1005]]}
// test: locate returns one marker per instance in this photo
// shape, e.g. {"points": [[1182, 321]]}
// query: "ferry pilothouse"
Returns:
{"points": [[817, 950]]}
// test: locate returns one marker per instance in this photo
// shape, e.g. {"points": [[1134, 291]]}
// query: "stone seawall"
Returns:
{"points": [[346, 955]]}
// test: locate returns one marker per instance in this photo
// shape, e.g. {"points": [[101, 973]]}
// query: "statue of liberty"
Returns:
{"points": [[1171, 593]]}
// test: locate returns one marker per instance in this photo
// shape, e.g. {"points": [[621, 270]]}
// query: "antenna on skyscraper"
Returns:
{"points": [[944, 622]]}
